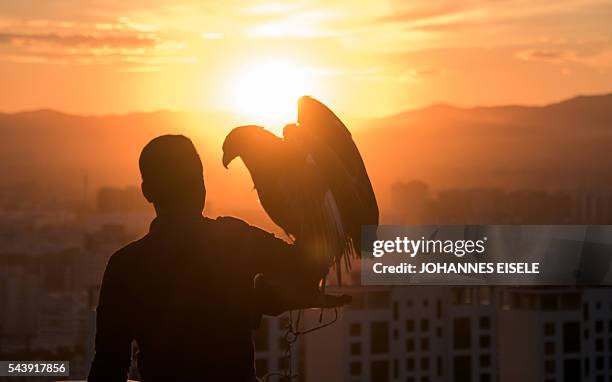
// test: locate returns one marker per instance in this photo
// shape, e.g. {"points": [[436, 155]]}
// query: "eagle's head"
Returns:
{"points": [[247, 142]]}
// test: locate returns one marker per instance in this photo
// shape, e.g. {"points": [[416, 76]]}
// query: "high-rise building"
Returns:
{"points": [[428, 334]]}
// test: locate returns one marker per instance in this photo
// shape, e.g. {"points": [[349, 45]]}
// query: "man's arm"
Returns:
{"points": [[290, 277], [113, 338], [267, 253]]}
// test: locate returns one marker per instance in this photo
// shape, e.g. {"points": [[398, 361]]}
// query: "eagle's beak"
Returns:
{"points": [[227, 158]]}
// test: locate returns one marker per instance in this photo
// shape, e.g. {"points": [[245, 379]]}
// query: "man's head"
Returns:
{"points": [[172, 176]]}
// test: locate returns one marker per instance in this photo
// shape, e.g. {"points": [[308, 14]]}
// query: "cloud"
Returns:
{"points": [[385, 73], [422, 11], [78, 40], [114, 30], [64, 42], [599, 58], [556, 56], [450, 23], [415, 75]]}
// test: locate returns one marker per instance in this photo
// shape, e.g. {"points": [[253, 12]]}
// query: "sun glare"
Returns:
{"points": [[267, 92]]}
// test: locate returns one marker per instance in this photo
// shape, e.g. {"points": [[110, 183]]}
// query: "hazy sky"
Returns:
{"points": [[367, 58]]}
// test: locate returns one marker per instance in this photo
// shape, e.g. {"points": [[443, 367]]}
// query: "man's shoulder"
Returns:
{"points": [[231, 222], [235, 227], [240, 229], [129, 250]]}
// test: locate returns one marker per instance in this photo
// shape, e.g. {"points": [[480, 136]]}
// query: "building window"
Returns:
{"points": [[549, 366], [379, 300], [599, 326], [355, 329], [424, 344], [485, 360], [549, 329], [379, 371], [484, 322], [485, 377], [461, 333], [599, 363], [549, 348], [571, 370], [484, 342], [379, 337], [410, 326], [355, 348], [410, 345], [424, 325], [355, 368], [409, 364], [599, 344], [571, 337], [439, 332], [570, 301], [424, 364], [462, 368], [549, 302]]}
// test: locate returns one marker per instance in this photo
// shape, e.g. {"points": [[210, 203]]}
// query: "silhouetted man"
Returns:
{"points": [[184, 292]]}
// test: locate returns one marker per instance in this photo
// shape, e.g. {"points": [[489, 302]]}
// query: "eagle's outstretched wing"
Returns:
{"points": [[324, 124], [312, 183], [345, 198], [349, 194]]}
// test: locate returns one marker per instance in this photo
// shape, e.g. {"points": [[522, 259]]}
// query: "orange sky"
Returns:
{"points": [[365, 58]]}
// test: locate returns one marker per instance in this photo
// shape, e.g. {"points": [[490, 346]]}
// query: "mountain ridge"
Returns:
{"points": [[564, 145], [429, 108]]}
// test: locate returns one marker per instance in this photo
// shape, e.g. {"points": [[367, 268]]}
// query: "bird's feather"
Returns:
{"points": [[312, 183]]}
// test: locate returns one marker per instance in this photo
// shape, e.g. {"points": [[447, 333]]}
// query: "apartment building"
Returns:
{"points": [[476, 334]]}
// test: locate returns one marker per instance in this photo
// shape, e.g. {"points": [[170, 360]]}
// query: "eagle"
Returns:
{"points": [[312, 182]]}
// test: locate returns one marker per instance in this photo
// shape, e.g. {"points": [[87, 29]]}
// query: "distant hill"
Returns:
{"points": [[64, 152], [562, 145]]}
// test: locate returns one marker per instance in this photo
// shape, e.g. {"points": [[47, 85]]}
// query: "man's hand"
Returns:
{"points": [[273, 299]]}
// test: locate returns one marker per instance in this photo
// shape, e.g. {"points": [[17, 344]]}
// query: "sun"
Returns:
{"points": [[267, 91]]}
